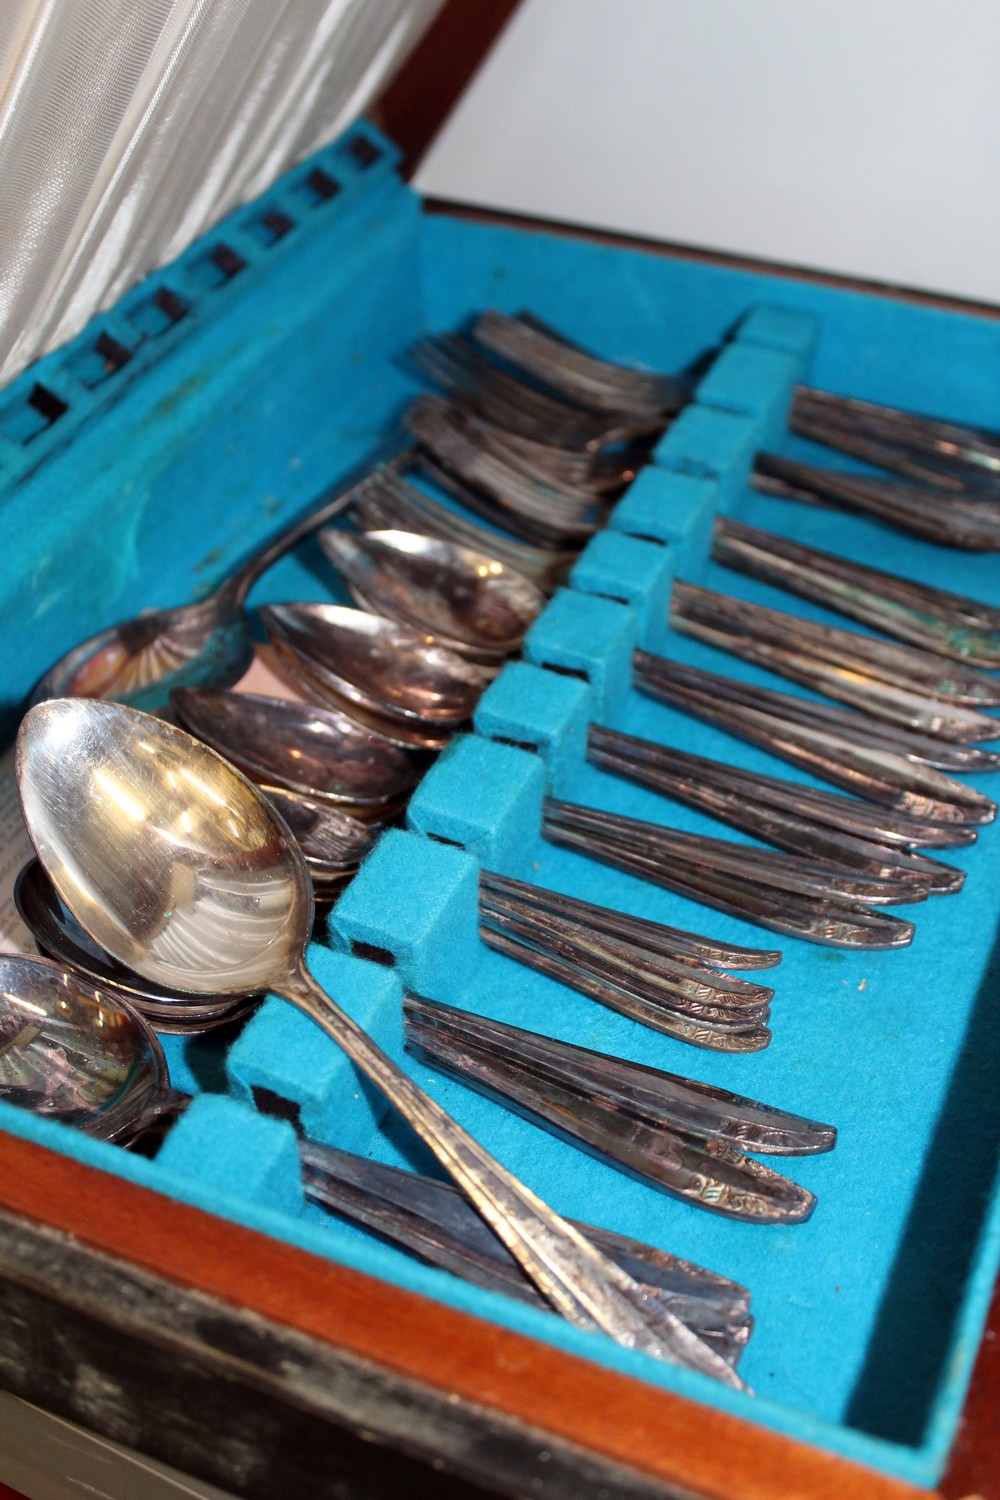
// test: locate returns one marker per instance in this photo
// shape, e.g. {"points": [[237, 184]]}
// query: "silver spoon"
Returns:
{"points": [[312, 752], [394, 678], [59, 936], [332, 842], [140, 661], [471, 603], [177, 866], [387, 501]]}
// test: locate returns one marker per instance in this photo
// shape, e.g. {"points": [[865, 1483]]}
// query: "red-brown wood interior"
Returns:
{"points": [[625, 1420]]}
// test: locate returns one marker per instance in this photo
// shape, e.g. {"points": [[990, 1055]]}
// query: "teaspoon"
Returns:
{"points": [[312, 752], [59, 936], [471, 603], [140, 661], [178, 867], [394, 678]]}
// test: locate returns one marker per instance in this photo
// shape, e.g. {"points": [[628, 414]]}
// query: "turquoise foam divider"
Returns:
{"points": [[674, 509], [229, 1148], [772, 326], [589, 637], [752, 382], [276, 1057], [533, 709], [868, 1316], [711, 443], [614, 565], [485, 797], [415, 902]]}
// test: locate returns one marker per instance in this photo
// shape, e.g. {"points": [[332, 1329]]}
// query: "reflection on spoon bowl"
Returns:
{"points": [[391, 673], [70, 1050], [469, 602], [59, 936], [314, 752]]}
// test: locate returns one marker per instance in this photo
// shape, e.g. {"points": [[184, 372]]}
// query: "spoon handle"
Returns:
{"points": [[586, 1287], [239, 583]]}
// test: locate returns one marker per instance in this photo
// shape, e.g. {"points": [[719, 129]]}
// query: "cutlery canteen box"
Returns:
{"points": [[191, 1305]]}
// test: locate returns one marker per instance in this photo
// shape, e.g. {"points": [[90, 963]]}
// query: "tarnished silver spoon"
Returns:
{"points": [[207, 643], [59, 936], [471, 603], [394, 678], [316, 753], [180, 869]]}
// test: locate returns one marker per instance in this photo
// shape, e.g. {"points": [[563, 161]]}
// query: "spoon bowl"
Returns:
{"points": [[59, 936], [72, 1051], [391, 674], [203, 644], [170, 860], [306, 751], [142, 660], [469, 602]]}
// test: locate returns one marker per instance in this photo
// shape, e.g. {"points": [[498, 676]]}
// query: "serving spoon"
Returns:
{"points": [[177, 866]]}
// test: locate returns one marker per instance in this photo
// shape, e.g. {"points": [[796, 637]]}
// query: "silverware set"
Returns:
{"points": [[534, 441]]}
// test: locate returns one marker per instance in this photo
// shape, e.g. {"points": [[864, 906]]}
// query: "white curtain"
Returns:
{"points": [[127, 127]]}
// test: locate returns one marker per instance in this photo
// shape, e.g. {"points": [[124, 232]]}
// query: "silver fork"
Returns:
{"points": [[877, 763], [964, 454], [553, 513], [951, 625], [900, 684]]}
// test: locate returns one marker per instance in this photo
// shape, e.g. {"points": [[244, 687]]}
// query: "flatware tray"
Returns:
{"points": [[141, 461]]}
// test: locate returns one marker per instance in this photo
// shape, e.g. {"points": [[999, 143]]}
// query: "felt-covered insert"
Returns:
{"points": [[868, 1315]]}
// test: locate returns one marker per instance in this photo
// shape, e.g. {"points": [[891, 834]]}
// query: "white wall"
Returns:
{"points": [[854, 136]]}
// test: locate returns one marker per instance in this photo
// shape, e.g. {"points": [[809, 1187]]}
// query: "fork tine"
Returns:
{"points": [[593, 383], [554, 512]]}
